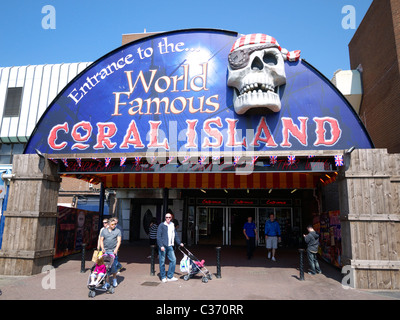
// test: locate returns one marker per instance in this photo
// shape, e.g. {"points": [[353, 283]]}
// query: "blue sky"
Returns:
{"points": [[88, 29]]}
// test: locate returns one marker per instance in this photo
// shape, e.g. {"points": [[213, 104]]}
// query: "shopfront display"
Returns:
{"points": [[220, 221], [327, 225]]}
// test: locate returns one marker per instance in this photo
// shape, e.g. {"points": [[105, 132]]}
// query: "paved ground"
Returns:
{"points": [[242, 279]]}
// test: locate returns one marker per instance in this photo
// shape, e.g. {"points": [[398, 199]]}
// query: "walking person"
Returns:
{"points": [[105, 226], [312, 241], [250, 233], [166, 237], [272, 236], [153, 233], [110, 241]]}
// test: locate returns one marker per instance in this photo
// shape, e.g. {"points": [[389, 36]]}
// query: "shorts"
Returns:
{"points": [[272, 243]]}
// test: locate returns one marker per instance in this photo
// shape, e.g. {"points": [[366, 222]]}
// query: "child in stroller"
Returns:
{"points": [[101, 283], [98, 272], [193, 266]]}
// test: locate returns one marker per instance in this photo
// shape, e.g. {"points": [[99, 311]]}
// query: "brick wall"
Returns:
{"points": [[70, 187], [375, 46]]}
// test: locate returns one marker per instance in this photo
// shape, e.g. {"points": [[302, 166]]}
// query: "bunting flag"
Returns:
{"points": [[273, 159], [170, 159], [202, 159], [107, 161], [54, 160], [291, 160], [236, 160], [185, 159], [339, 160], [65, 162], [153, 160], [94, 158], [122, 161], [137, 160], [79, 161], [253, 160], [310, 157], [216, 157]]}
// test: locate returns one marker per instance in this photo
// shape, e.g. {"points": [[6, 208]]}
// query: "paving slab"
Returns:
{"points": [[241, 279]]}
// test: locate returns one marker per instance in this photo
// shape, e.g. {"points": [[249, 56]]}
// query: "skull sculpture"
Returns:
{"points": [[256, 71]]}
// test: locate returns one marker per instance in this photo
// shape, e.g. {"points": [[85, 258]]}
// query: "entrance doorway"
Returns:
{"points": [[238, 217], [211, 226], [284, 216]]}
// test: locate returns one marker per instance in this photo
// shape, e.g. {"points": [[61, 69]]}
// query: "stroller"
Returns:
{"points": [[193, 266], [103, 283]]}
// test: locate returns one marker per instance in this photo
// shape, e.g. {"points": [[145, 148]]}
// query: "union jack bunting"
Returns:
{"points": [[253, 160], [65, 162], [273, 159], [216, 157], [54, 160], [291, 160], [339, 160], [107, 161], [202, 159], [153, 160], [236, 160], [122, 161], [311, 157], [170, 159], [185, 159], [137, 160], [79, 161]]}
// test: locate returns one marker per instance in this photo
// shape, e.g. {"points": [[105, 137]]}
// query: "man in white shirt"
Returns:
{"points": [[166, 237]]}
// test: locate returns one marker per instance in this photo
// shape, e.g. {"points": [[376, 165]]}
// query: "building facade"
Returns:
{"points": [[375, 51], [215, 126]]}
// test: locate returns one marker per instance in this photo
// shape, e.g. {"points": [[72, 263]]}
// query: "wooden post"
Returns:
{"points": [[370, 218], [31, 216]]}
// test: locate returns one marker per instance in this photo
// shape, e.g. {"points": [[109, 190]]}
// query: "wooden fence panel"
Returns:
{"points": [[31, 216], [370, 215]]}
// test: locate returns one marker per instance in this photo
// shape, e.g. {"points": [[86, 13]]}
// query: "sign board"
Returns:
{"points": [[185, 91]]}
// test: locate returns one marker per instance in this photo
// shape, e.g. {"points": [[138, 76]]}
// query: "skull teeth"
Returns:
{"points": [[257, 87]]}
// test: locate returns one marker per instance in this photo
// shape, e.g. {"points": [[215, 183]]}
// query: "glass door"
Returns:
{"points": [[284, 216], [210, 226], [237, 219], [263, 215]]}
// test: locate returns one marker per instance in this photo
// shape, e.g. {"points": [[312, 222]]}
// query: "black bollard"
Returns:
{"points": [[152, 260], [301, 251], [83, 258], [218, 262]]}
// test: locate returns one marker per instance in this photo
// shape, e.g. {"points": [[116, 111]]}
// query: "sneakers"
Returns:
{"points": [[269, 256], [115, 283], [172, 279], [169, 280]]}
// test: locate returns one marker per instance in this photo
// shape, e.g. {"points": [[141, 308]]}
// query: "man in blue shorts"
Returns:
{"points": [[272, 236]]}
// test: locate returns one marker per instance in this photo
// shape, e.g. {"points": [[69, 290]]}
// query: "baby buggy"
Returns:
{"points": [[193, 266], [103, 284]]}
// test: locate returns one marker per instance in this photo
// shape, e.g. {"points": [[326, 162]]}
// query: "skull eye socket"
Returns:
{"points": [[270, 59]]}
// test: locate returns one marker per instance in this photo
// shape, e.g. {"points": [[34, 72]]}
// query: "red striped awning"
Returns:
{"points": [[258, 180]]}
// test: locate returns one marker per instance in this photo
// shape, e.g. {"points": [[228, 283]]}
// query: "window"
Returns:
{"points": [[7, 150], [13, 102]]}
